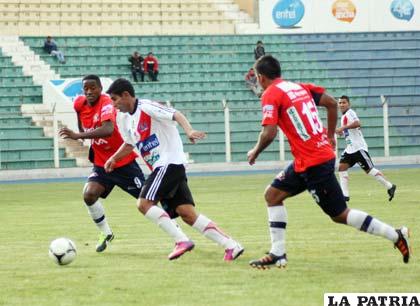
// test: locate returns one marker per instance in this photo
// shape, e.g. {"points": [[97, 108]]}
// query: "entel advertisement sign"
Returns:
{"points": [[309, 16]]}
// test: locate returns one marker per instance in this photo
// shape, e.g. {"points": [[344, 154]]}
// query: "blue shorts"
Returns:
{"points": [[129, 178], [321, 183]]}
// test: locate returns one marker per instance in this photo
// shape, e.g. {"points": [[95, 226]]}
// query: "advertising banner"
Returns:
{"points": [[310, 16]]}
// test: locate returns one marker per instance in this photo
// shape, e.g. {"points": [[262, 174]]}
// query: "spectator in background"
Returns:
{"points": [[259, 50], [136, 61], [151, 67], [51, 48], [252, 82]]}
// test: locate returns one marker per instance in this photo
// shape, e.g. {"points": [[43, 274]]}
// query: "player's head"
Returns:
{"points": [[92, 88], [122, 95], [344, 103], [268, 69]]}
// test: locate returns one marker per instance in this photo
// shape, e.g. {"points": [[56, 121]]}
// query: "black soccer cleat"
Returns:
{"points": [[269, 260], [391, 192], [402, 243], [103, 242]]}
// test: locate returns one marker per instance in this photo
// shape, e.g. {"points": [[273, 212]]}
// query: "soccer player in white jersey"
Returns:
{"points": [[356, 150], [151, 128]]}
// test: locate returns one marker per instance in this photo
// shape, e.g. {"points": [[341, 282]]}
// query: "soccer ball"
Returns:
{"points": [[62, 251]]}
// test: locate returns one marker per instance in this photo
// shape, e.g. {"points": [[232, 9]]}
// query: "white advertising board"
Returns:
{"points": [[60, 94], [311, 16]]}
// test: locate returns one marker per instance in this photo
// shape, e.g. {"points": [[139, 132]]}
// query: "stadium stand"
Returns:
{"points": [[22, 145], [198, 72], [115, 17]]}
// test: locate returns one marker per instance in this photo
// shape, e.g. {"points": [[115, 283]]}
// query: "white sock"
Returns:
{"points": [[277, 217], [362, 221], [178, 227], [380, 177], [162, 219], [344, 182], [210, 230], [97, 212]]}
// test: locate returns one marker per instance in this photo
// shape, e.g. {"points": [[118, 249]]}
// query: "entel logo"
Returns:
{"points": [[288, 13]]}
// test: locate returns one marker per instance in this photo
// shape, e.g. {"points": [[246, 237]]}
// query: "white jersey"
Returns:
{"points": [[354, 137], [152, 130]]}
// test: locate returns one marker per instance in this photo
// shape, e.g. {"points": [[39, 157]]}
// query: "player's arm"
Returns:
{"points": [[266, 137], [331, 105], [79, 123], [122, 152], [354, 125], [192, 134], [105, 130]]}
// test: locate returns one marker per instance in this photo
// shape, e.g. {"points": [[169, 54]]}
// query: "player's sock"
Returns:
{"points": [[178, 227], [366, 223], [97, 212], [344, 182], [162, 219], [380, 178], [277, 217], [210, 230]]}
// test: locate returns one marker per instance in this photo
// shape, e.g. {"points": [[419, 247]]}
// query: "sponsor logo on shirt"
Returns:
{"points": [[146, 149], [106, 109], [268, 111]]}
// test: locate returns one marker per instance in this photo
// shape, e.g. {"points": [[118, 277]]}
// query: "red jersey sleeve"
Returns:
{"points": [[316, 91], [269, 109], [78, 103]]}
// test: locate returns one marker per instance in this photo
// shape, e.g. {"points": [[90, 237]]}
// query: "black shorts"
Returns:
{"points": [[129, 178], [321, 183], [168, 184], [360, 157]]}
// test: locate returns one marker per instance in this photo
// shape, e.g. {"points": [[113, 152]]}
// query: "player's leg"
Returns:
{"points": [[98, 185], [155, 187], [134, 74], [183, 204], [327, 193], [345, 163], [286, 184], [367, 165]]}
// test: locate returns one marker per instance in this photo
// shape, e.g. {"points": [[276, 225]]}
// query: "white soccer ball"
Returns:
{"points": [[62, 251]]}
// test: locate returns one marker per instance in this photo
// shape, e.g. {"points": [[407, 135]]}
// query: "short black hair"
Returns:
{"points": [[259, 42], [93, 77], [119, 86], [268, 66], [345, 97]]}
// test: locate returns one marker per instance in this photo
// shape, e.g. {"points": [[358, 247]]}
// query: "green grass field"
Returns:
{"points": [[323, 256]]}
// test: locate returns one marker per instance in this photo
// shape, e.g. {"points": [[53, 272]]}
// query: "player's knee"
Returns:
{"points": [[341, 218], [90, 198], [143, 205]]}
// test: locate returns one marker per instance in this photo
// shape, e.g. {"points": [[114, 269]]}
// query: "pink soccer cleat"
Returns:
{"points": [[181, 248], [232, 254]]}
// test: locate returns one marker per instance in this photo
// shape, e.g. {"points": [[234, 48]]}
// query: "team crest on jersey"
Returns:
{"points": [[107, 109], [143, 127]]}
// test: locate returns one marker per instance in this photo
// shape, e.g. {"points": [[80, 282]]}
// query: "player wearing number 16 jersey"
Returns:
{"points": [[293, 108]]}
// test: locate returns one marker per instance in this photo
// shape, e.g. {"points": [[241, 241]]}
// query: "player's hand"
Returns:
{"points": [[67, 133], [339, 131], [110, 165], [252, 156], [194, 135]]}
